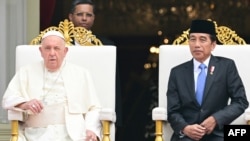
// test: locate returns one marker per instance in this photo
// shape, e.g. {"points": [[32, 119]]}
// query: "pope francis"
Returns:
{"points": [[57, 97]]}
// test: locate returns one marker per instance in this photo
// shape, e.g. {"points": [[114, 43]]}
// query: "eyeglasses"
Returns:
{"points": [[84, 14]]}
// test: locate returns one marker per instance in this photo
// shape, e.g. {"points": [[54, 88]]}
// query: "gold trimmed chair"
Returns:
{"points": [[81, 35], [225, 36], [101, 61], [231, 46]]}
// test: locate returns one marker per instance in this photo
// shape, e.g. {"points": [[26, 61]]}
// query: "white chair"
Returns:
{"points": [[100, 60], [233, 46], [172, 55]]}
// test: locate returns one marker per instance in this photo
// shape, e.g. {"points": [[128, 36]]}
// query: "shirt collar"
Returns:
{"points": [[197, 63]]}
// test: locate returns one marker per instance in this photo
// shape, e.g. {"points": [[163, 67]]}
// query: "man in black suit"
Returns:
{"points": [[82, 14], [203, 119]]}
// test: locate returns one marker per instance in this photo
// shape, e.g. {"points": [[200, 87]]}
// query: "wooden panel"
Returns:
{"points": [[5, 132]]}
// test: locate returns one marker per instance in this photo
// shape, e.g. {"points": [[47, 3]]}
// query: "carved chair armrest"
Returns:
{"points": [[159, 115], [247, 116], [107, 116], [15, 117]]}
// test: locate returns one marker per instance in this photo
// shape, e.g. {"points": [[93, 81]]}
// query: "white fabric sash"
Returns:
{"points": [[50, 115]]}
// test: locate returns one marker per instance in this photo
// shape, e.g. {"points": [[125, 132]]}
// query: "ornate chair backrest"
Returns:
{"points": [[225, 36], [81, 35]]}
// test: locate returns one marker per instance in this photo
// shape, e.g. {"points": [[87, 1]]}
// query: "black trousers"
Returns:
{"points": [[210, 137]]}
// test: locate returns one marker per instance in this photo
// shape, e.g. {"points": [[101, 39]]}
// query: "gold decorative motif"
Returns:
{"points": [[183, 39], [81, 35], [225, 36]]}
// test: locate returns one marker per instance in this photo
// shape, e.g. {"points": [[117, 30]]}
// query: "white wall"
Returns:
{"points": [[19, 24], [3, 51]]}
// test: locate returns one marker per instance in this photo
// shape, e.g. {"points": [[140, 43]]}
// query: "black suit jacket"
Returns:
{"points": [[221, 85], [105, 41]]}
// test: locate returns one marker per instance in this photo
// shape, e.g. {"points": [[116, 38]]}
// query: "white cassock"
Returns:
{"points": [[70, 102]]}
